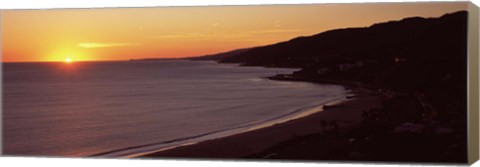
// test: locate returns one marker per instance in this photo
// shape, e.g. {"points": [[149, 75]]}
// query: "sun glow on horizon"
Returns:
{"points": [[68, 60]]}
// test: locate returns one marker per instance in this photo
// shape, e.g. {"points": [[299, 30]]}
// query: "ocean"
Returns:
{"points": [[128, 108]]}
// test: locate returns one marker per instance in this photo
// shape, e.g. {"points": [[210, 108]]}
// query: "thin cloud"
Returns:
{"points": [[104, 45]]}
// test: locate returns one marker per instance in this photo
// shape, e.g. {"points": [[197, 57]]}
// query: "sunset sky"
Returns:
{"points": [[168, 32]]}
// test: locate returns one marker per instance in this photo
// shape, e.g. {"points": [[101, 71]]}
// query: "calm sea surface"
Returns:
{"points": [[124, 108]]}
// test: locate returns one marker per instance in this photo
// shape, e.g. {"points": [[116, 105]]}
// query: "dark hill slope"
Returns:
{"points": [[220, 56], [424, 57], [413, 53]]}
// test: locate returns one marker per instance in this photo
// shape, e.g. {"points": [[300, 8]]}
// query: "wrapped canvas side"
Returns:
{"points": [[473, 81]]}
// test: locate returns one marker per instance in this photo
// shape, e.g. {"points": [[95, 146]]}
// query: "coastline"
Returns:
{"points": [[374, 124], [336, 117], [169, 145]]}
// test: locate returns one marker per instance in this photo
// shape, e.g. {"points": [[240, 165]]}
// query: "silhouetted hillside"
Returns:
{"points": [[418, 54], [219, 56], [426, 56]]}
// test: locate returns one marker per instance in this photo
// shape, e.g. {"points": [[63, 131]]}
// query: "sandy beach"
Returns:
{"points": [[338, 117]]}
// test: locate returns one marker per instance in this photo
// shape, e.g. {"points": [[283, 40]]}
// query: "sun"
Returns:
{"points": [[68, 60]]}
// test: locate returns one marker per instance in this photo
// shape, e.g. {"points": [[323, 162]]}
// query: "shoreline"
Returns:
{"points": [[372, 119], [297, 114], [339, 117]]}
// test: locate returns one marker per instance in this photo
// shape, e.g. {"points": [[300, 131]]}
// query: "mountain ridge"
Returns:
{"points": [[410, 41], [414, 55]]}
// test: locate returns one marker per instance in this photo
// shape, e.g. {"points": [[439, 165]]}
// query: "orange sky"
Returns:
{"points": [[132, 33]]}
